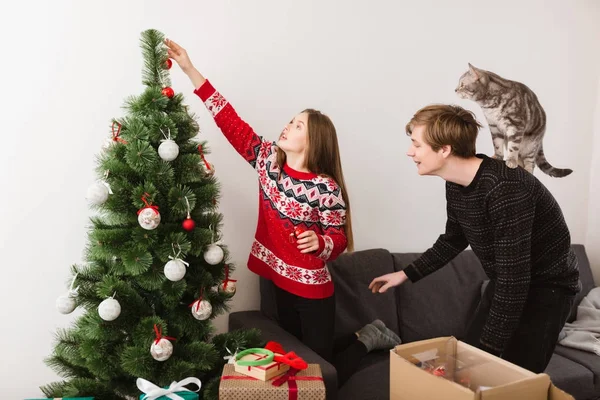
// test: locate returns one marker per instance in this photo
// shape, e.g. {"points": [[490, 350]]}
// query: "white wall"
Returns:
{"points": [[68, 66], [593, 232]]}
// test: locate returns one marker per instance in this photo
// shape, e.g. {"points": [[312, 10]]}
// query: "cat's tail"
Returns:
{"points": [[544, 165]]}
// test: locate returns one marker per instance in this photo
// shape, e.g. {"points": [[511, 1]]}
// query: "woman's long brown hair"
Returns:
{"points": [[323, 158]]}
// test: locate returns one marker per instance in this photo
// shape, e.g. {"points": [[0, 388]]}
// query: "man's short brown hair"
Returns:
{"points": [[447, 125]]}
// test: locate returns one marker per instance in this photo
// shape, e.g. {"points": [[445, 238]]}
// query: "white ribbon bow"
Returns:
{"points": [[73, 292], [107, 186], [187, 264], [176, 258], [167, 138], [231, 357], [153, 392]]}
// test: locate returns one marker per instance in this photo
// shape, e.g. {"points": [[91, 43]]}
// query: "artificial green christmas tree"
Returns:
{"points": [[155, 273]]}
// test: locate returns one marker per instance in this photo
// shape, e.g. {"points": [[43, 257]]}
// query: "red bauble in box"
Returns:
{"points": [[168, 92], [188, 224], [439, 371], [168, 63]]}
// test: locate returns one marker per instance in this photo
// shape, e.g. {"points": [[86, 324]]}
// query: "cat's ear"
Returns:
{"points": [[474, 71]]}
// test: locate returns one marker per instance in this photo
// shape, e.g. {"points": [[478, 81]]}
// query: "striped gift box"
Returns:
{"points": [[262, 372]]}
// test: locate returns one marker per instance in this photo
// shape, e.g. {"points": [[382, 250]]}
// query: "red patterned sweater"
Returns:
{"points": [[287, 199]]}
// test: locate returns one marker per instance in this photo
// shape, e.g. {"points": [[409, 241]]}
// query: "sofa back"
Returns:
{"points": [[438, 305], [442, 303], [355, 304]]}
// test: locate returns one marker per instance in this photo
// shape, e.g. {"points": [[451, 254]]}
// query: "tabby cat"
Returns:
{"points": [[516, 119]]}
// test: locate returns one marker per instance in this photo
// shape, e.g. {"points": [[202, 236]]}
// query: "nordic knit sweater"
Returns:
{"points": [[287, 199], [517, 230]]}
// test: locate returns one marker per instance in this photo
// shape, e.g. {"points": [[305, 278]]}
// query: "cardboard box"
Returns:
{"points": [[468, 374], [262, 372], [304, 385]]}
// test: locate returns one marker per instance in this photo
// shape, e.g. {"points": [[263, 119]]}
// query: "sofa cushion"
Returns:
{"points": [[442, 303], [355, 304], [571, 377], [589, 360]]}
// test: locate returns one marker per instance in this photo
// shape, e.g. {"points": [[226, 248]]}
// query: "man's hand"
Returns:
{"points": [[384, 282]]}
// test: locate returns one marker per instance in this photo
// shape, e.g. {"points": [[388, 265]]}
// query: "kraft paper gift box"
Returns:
{"points": [[303, 385]]}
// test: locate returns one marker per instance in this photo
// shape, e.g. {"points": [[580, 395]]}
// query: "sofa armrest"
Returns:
{"points": [[270, 330]]}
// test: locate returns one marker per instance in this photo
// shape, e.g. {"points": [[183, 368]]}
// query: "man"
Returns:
{"points": [[515, 227]]}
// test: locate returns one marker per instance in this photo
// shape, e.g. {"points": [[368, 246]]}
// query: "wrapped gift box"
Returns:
{"points": [[176, 390], [261, 372], [304, 385]]}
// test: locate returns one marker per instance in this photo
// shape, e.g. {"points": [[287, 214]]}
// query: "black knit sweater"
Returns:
{"points": [[517, 229]]}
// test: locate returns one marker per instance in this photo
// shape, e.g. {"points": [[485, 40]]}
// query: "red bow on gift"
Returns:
{"points": [[290, 358]]}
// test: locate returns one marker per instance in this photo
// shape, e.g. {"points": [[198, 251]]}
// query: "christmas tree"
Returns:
{"points": [[155, 272]]}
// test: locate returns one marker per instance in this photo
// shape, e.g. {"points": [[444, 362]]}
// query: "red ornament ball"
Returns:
{"points": [[189, 224], [169, 63], [295, 233], [168, 92], [299, 230]]}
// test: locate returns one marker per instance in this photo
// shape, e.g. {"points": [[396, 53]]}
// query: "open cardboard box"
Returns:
{"points": [[482, 376]]}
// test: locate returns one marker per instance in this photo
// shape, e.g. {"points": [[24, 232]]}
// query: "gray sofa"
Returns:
{"points": [[439, 305]]}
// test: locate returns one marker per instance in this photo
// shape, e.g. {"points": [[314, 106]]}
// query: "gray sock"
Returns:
{"points": [[373, 339], [385, 330]]}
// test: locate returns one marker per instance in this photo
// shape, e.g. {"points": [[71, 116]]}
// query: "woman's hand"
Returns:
{"points": [[308, 241], [178, 53]]}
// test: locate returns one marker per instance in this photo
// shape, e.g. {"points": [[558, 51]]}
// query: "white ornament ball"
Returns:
{"points": [[149, 218], [175, 270], [214, 254], [109, 309], [203, 311], [97, 193], [168, 150], [162, 350], [230, 289], [66, 304]]}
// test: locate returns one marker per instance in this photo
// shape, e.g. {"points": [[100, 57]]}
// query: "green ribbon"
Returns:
{"points": [[247, 363]]}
